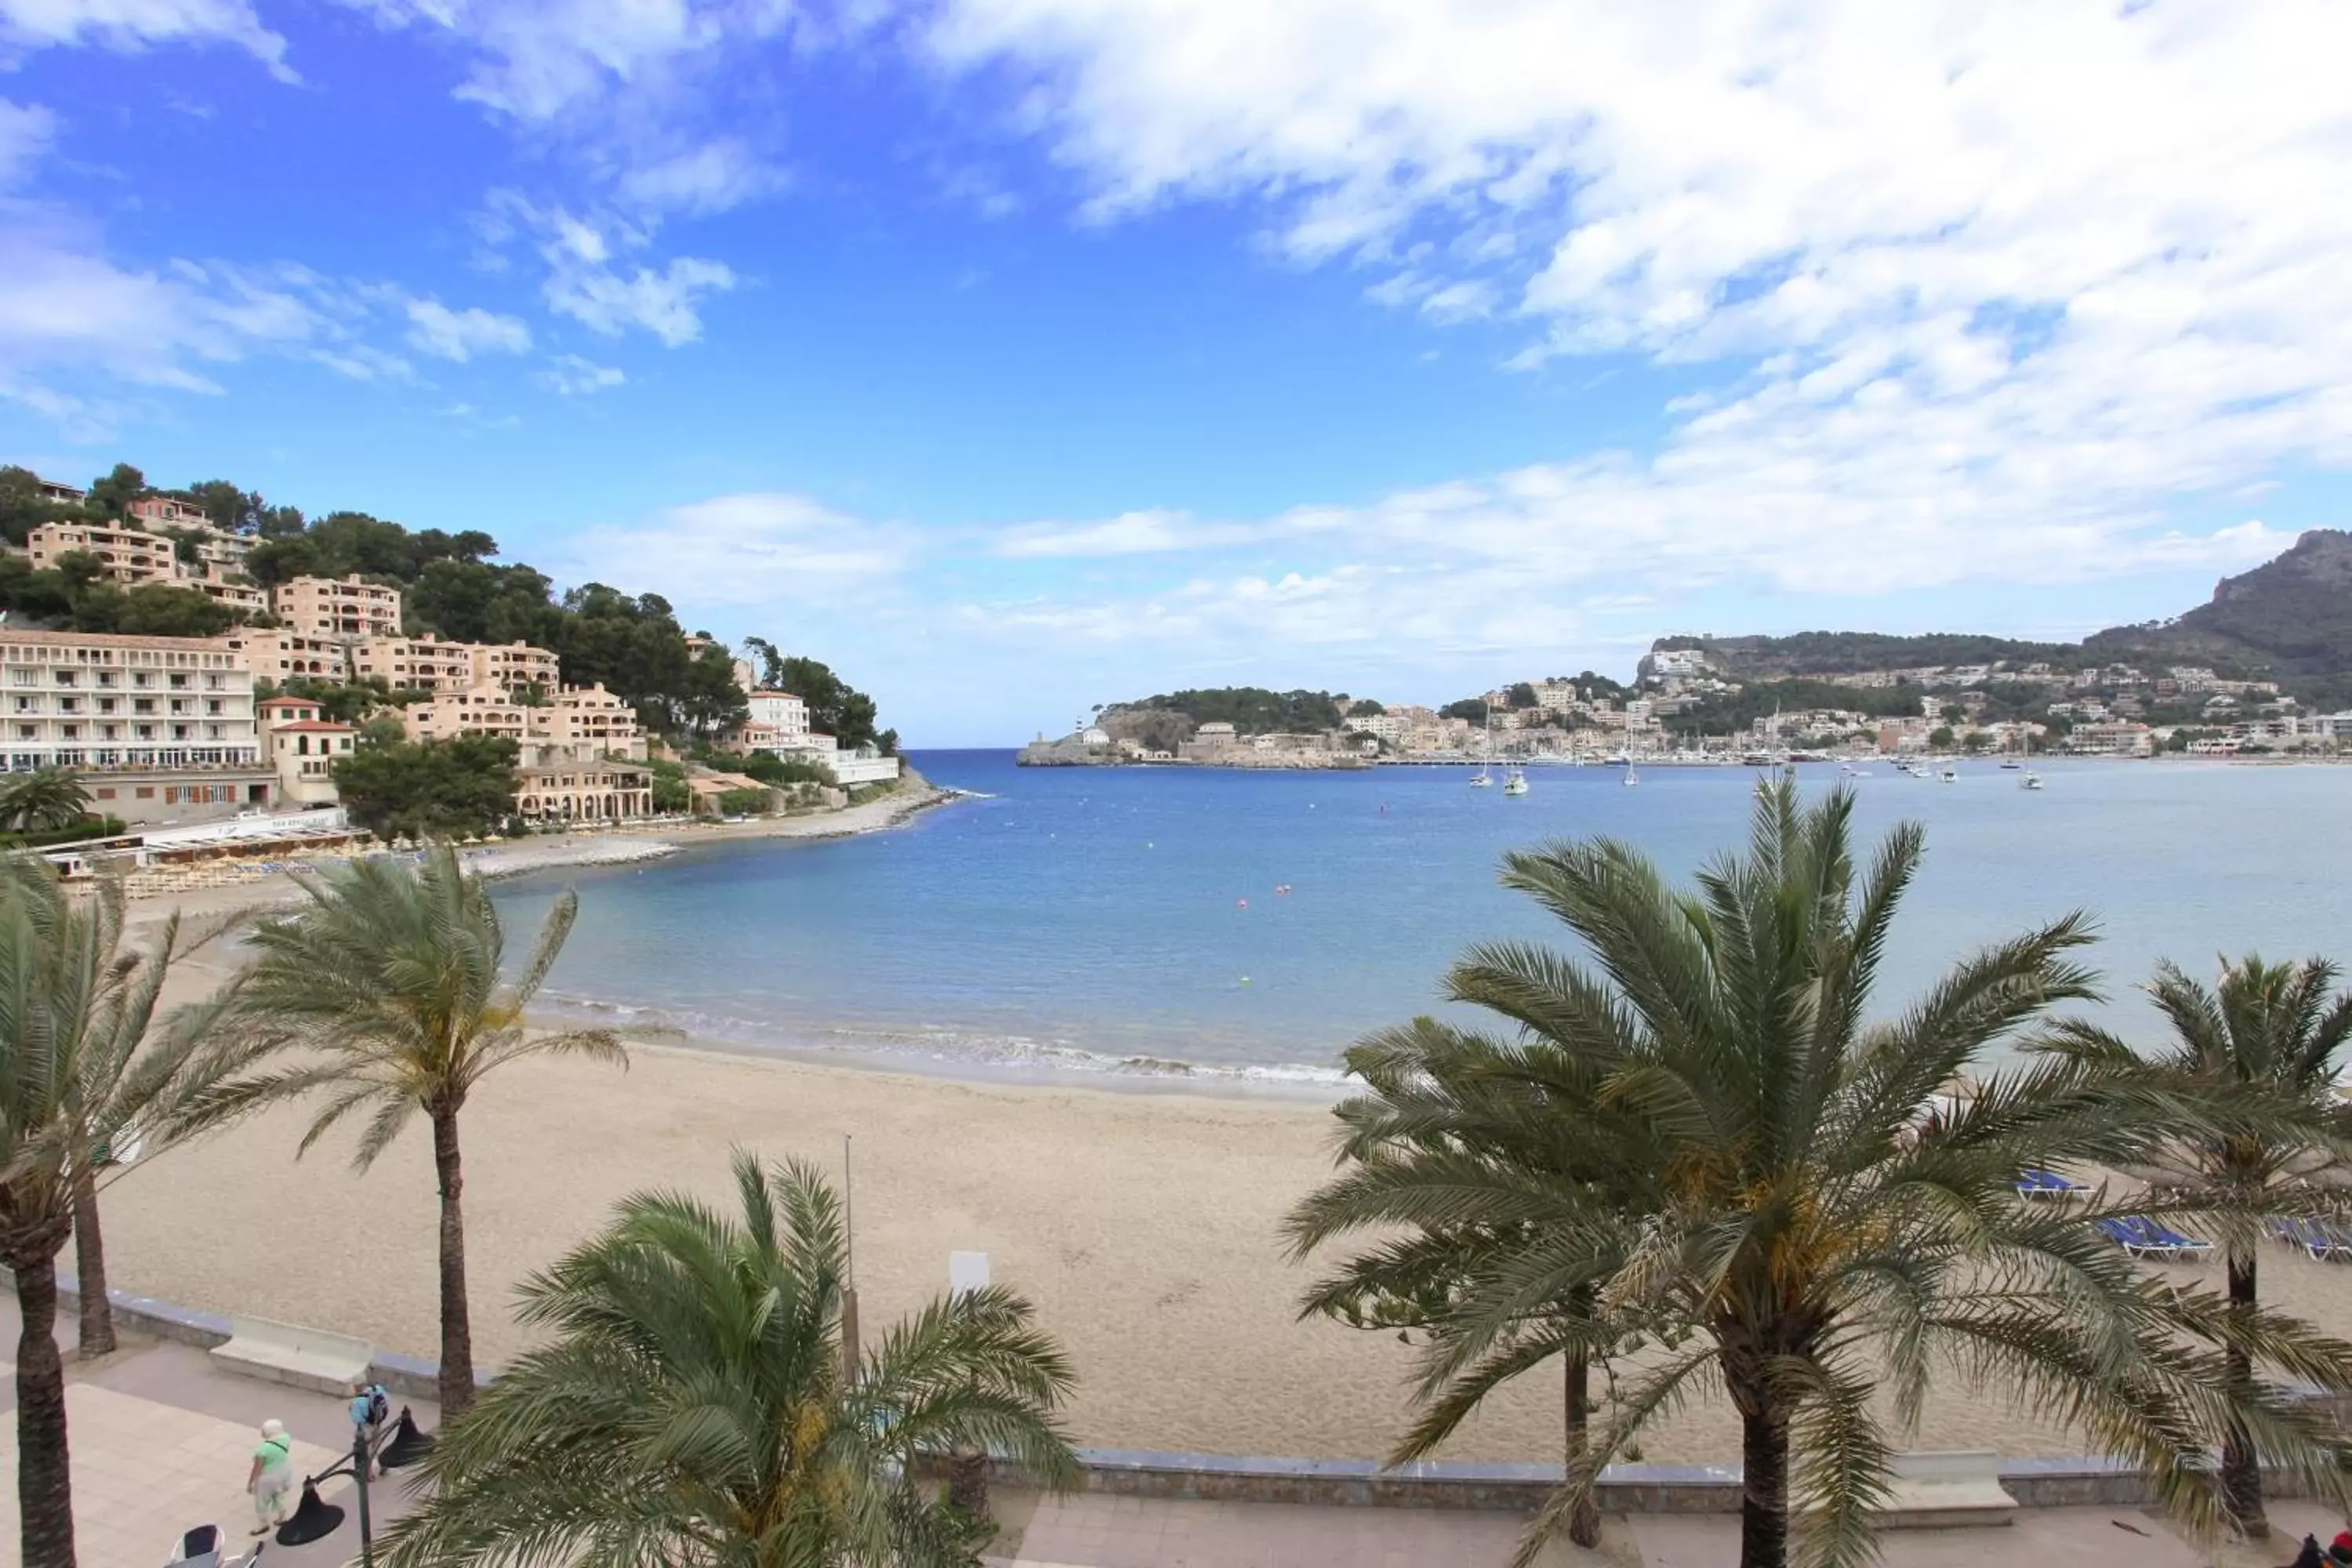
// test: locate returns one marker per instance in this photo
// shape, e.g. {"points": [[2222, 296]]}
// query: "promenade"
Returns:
{"points": [[161, 1437]]}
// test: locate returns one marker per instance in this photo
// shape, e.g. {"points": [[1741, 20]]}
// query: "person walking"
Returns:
{"points": [[272, 1476]]}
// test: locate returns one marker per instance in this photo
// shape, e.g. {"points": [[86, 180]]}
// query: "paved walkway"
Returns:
{"points": [[162, 1438]]}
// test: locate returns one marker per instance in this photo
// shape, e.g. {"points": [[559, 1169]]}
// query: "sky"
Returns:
{"points": [[1016, 356]]}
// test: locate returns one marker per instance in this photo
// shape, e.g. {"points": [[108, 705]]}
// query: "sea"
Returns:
{"points": [[1206, 927]]}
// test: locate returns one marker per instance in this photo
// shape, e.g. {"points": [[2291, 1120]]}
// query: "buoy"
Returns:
{"points": [[1240, 903], [1244, 979]]}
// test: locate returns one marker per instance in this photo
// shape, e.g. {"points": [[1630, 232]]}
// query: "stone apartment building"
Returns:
{"points": [[341, 609], [278, 656], [162, 729], [138, 550], [421, 663], [581, 752]]}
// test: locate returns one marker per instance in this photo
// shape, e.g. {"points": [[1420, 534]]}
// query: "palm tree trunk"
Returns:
{"points": [[1764, 1473], [44, 1470], [89, 1267], [456, 1323], [1584, 1525], [2242, 1471]]}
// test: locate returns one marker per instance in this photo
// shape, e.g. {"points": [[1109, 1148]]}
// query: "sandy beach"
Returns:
{"points": [[1144, 1225]]}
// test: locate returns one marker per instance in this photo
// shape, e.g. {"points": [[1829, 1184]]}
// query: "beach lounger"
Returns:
{"points": [[2297, 1233], [2033, 1183], [2143, 1238]]}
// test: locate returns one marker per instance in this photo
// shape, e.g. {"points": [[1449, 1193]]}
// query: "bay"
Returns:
{"points": [[1136, 920]]}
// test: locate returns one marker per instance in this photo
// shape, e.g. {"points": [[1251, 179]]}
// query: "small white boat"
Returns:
{"points": [[2030, 781], [1515, 782], [1633, 777], [1482, 779], [1949, 776], [2010, 762]]}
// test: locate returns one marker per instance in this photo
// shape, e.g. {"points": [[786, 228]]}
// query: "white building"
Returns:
{"points": [[162, 729]]}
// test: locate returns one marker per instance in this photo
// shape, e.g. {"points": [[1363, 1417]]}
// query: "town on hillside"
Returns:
{"points": [[313, 694], [2263, 669]]}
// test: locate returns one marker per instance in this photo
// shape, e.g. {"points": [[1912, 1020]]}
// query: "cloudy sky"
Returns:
{"points": [[1016, 355]]}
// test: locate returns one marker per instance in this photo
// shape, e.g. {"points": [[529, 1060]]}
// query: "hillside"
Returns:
{"points": [[1250, 709], [2292, 614], [2289, 620], [1845, 653]]}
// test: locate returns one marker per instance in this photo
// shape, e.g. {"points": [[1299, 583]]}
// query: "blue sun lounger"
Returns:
{"points": [[2318, 1239], [2143, 1238], [2037, 1184]]}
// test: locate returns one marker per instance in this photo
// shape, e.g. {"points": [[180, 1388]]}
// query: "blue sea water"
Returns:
{"points": [[1133, 919]]}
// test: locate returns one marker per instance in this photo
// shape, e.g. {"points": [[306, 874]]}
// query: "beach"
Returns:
{"points": [[1144, 1225]]}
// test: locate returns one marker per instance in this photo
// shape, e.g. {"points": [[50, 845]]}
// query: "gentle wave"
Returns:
{"points": [[1015, 1053]]}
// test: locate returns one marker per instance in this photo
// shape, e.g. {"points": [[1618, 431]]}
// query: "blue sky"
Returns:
{"points": [[1017, 355]]}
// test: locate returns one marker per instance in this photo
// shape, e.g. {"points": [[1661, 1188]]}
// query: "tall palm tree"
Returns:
{"points": [[1820, 1224], [692, 1403], [44, 798], [83, 1058], [383, 989], [2280, 1028]]}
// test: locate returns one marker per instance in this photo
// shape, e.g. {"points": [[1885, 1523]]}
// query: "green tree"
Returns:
{"points": [[44, 799], [384, 994], [709, 700], [1470, 708], [23, 508], [743, 802], [1940, 737], [463, 787], [84, 1065], [1523, 695], [112, 495], [2278, 1028], [1444, 1155], [1820, 1224], [691, 1402]]}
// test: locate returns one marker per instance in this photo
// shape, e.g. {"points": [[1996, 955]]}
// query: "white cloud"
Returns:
{"points": [[459, 335], [713, 177], [587, 280], [1972, 292], [576, 377], [751, 549], [25, 132], [666, 303], [1129, 533], [535, 59], [135, 24]]}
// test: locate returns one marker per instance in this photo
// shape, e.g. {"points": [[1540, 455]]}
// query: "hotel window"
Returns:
{"points": [[180, 731], [106, 704], [27, 732], [27, 705], [179, 683], [71, 731], [65, 677], [146, 732], [142, 705]]}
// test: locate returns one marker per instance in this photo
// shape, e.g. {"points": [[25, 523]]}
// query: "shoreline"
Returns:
{"points": [[574, 850]]}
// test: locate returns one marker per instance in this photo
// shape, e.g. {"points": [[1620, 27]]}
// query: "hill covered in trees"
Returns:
{"points": [[2292, 616], [633, 645], [1250, 709]]}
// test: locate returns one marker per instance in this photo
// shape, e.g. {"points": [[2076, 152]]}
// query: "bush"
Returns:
{"points": [[742, 802]]}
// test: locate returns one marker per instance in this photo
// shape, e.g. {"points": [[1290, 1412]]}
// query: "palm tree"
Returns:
{"points": [[83, 1061], [44, 798], [2276, 1027], [1455, 1151], [1820, 1224], [692, 1403], [385, 989]]}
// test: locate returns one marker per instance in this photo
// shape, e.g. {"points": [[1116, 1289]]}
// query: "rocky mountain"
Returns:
{"points": [[2292, 616], [2289, 620]]}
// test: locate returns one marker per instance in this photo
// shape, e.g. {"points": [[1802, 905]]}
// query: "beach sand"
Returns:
{"points": [[1144, 1224]]}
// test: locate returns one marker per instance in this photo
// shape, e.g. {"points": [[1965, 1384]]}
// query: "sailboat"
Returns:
{"points": [[1515, 781], [2031, 780], [1633, 777], [1483, 779]]}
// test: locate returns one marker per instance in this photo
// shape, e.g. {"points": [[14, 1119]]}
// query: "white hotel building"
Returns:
{"points": [[163, 727]]}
